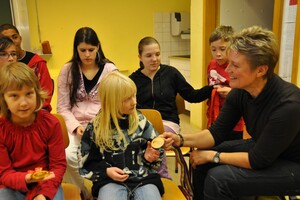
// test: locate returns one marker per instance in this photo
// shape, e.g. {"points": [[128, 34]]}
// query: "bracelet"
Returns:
{"points": [[181, 140]]}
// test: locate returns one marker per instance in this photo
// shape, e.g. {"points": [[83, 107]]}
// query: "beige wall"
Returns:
{"points": [[258, 12], [119, 24], [197, 58]]}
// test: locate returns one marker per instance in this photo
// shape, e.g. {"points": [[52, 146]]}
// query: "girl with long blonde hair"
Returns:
{"points": [[116, 153]]}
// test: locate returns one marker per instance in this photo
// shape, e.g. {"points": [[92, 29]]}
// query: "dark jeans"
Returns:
{"points": [[215, 182]]}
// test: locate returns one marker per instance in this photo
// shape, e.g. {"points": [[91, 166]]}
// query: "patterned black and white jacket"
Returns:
{"points": [[94, 160]]}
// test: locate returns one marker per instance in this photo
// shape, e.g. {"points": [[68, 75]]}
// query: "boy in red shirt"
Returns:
{"points": [[219, 41]]}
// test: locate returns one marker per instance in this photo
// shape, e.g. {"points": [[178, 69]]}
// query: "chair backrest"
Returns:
{"points": [[71, 191], [155, 118], [64, 128], [180, 104]]}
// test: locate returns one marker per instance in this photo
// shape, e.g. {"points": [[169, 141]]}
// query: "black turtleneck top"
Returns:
{"points": [[272, 119]]}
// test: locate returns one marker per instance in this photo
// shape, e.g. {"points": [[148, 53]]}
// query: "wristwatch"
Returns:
{"points": [[216, 158], [181, 140]]}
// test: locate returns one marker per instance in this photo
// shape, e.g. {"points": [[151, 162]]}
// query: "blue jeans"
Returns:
{"points": [[7, 193], [227, 182], [113, 191]]}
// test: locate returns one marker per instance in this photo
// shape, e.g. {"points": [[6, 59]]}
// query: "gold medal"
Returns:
{"points": [[157, 143], [40, 175]]}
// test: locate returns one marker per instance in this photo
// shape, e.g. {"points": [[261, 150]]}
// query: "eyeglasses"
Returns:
{"points": [[7, 55]]}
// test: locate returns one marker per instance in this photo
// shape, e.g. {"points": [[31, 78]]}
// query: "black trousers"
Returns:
{"points": [[214, 182]]}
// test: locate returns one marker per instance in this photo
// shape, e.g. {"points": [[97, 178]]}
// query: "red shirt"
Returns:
{"points": [[25, 148], [217, 76], [40, 68]]}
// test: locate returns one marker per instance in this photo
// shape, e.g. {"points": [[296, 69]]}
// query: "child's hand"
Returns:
{"points": [[116, 174], [30, 178], [80, 131], [151, 154], [39, 197]]}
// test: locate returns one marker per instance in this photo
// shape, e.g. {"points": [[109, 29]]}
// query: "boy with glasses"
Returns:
{"points": [[8, 51], [33, 60]]}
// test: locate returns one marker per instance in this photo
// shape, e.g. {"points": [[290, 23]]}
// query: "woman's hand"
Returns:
{"points": [[151, 154], [116, 174], [170, 139], [199, 157]]}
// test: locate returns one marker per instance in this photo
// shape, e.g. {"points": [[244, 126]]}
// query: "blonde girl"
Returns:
{"points": [[116, 151]]}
